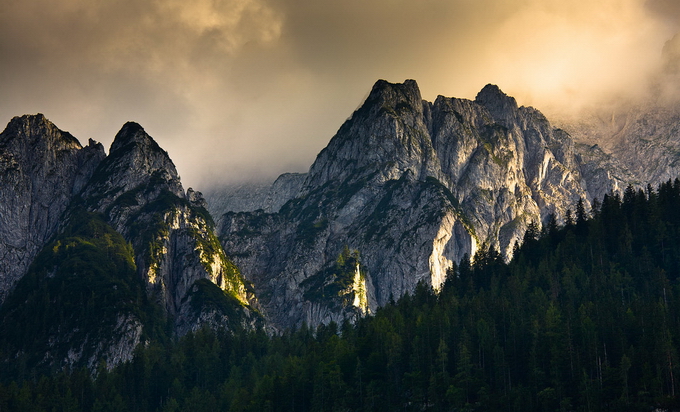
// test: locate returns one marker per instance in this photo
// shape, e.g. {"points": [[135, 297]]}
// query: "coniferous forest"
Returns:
{"points": [[586, 317]]}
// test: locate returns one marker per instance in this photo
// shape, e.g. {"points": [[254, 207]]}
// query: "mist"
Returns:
{"points": [[243, 90]]}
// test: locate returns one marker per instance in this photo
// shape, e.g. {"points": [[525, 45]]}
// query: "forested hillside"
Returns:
{"points": [[584, 318]]}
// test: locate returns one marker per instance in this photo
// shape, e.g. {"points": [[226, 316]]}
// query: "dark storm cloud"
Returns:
{"points": [[238, 89]]}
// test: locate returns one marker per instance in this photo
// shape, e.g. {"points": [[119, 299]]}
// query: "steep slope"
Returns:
{"points": [[641, 143], [132, 257], [505, 164], [139, 192], [412, 187], [80, 303], [41, 169]]}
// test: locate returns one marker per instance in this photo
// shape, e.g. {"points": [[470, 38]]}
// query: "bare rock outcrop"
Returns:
{"points": [[412, 187], [41, 169]]}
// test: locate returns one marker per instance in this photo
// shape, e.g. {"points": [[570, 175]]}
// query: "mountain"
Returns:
{"points": [[41, 169], [123, 255], [138, 191], [583, 318], [405, 189], [637, 144], [108, 252]]}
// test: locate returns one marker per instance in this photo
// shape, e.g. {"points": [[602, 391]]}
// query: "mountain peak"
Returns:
{"points": [[31, 120], [407, 90], [408, 84], [134, 160], [133, 133], [37, 127], [132, 127], [499, 104], [386, 95]]}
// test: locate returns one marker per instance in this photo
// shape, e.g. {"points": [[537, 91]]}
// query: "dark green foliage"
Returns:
{"points": [[206, 296], [149, 227], [72, 296], [150, 231], [585, 318]]}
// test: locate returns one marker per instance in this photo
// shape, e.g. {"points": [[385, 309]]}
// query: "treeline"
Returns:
{"points": [[586, 317]]}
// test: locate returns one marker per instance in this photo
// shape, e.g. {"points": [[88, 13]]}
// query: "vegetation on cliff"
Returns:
{"points": [[586, 317]]}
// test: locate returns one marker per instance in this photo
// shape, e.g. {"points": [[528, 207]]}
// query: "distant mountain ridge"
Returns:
{"points": [[639, 145], [248, 197], [635, 139]]}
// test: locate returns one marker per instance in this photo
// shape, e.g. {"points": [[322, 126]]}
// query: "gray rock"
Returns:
{"points": [[636, 145], [248, 197], [412, 186], [41, 169], [139, 191], [48, 178], [635, 141]]}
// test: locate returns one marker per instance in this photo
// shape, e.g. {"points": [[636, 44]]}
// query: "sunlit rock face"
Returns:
{"points": [[51, 185], [412, 186], [138, 190], [41, 169]]}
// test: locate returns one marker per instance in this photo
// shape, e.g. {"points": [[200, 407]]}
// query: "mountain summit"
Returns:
{"points": [[411, 187], [41, 169], [119, 254], [499, 104]]}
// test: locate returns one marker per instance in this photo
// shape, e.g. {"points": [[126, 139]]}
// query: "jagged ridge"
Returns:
{"points": [[413, 186], [41, 169], [129, 205]]}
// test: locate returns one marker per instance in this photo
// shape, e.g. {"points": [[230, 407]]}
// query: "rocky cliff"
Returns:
{"points": [[128, 250], [107, 252], [41, 169], [138, 190], [634, 141], [635, 144], [412, 187]]}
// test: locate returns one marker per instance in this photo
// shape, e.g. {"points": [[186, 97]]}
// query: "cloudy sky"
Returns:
{"points": [[247, 89]]}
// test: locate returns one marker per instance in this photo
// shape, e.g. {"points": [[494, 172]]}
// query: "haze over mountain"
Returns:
{"points": [[411, 186], [257, 87]]}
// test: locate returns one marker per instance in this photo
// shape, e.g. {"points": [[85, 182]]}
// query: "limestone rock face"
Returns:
{"points": [[412, 186], [138, 190], [604, 173], [285, 187], [41, 169], [149, 245], [635, 141]]}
